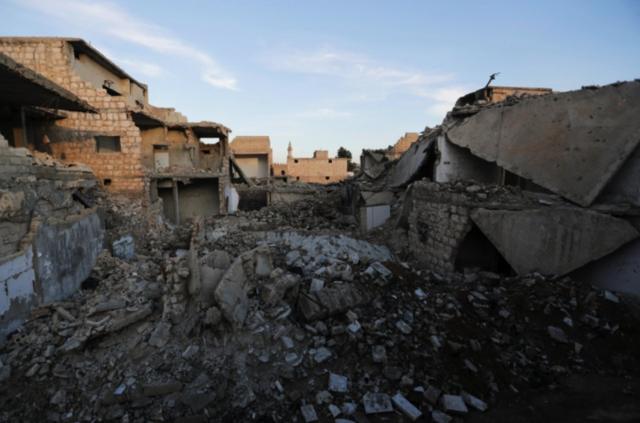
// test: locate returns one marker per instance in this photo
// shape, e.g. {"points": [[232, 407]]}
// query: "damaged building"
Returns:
{"points": [[132, 147], [532, 182], [319, 169], [51, 232]]}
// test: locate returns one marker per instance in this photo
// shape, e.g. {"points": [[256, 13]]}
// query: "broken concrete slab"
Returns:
{"points": [[330, 301], [412, 162], [406, 407], [552, 240], [377, 402], [570, 143]]}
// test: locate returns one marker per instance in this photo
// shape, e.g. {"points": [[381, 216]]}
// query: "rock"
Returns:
{"points": [[474, 402], [123, 248], [5, 372], [349, 408], [231, 295], [334, 410], [322, 354], [212, 317], [406, 407], [375, 403], [190, 352], [453, 404], [432, 394], [264, 265], [316, 285], [308, 413], [160, 335], [403, 327], [210, 278], [217, 259], [287, 342], [557, 334], [379, 354], [377, 269], [338, 383], [330, 301], [439, 417], [323, 397], [281, 282]]}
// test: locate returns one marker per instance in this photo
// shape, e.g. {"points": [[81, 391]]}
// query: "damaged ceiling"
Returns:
{"points": [[570, 143]]}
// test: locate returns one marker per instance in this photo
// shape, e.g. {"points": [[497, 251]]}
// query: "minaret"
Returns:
{"points": [[289, 151]]}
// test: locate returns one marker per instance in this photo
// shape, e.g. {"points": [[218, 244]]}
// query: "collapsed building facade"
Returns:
{"points": [[537, 183], [132, 147]]}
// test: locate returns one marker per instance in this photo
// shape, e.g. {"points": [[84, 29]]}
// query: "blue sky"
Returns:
{"points": [[326, 74]]}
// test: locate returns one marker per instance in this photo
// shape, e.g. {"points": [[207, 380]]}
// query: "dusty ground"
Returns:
{"points": [[531, 349]]}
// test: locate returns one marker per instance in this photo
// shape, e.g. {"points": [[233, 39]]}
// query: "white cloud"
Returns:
{"points": [[110, 19], [444, 99], [357, 68], [324, 113]]}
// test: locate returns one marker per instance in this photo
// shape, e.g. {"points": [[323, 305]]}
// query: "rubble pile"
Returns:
{"points": [[246, 323]]}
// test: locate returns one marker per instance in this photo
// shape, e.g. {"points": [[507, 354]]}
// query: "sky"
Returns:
{"points": [[326, 74]]}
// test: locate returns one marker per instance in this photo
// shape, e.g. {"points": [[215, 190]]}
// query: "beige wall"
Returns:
{"points": [[254, 165], [319, 171], [52, 58]]}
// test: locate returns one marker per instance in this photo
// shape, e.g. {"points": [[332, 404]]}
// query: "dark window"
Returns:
{"points": [[326, 177], [106, 182], [282, 172], [330, 161], [297, 178], [107, 144], [206, 151], [295, 160], [160, 147]]}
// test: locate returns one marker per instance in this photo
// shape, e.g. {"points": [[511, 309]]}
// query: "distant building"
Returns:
{"points": [[402, 145], [253, 154], [319, 169]]}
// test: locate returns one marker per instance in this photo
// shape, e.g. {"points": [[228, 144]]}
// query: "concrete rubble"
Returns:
{"points": [[448, 285]]}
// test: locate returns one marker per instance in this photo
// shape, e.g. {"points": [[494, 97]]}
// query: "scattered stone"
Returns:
{"points": [[375, 403], [439, 417], [403, 327], [322, 354], [160, 335], [308, 413], [453, 404], [287, 342], [316, 285], [323, 397], [338, 383], [474, 402], [334, 410], [349, 408], [432, 394], [557, 334], [379, 354], [406, 407]]}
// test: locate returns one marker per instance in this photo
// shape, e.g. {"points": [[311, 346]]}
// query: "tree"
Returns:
{"points": [[343, 153]]}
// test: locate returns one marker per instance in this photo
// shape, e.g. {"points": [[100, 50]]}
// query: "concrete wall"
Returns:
{"points": [[458, 164], [254, 165], [198, 198], [65, 255], [624, 186], [17, 294], [374, 216], [319, 171]]}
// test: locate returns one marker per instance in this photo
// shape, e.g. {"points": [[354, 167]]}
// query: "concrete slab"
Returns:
{"points": [[570, 143], [411, 162], [552, 240]]}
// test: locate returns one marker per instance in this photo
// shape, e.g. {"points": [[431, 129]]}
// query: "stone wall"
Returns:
{"points": [[50, 241], [73, 141], [316, 170]]}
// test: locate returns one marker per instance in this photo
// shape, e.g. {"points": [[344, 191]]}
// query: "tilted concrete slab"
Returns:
{"points": [[552, 240], [570, 143], [411, 162]]}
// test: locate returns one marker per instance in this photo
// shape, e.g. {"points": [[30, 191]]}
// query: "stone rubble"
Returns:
{"points": [[240, 319]]}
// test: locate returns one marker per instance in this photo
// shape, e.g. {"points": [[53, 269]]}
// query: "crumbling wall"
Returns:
{"points": [[458, 164], [74, 139], [52, 240]]}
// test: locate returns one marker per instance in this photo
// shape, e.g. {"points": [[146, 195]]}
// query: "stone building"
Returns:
{"points": [[253, 154], [319, 169], [51, 232], [132, 147]]}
